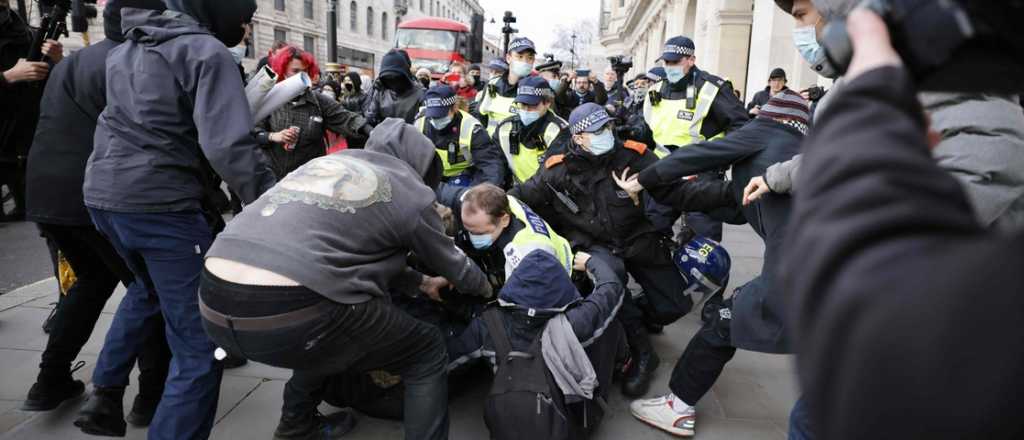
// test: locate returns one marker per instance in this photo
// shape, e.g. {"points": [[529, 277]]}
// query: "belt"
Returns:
{"points": [[266, 323]]}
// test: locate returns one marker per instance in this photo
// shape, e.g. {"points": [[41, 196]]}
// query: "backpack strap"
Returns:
{"points": [[496, 328]]}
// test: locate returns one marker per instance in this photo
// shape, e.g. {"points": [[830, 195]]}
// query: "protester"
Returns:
{"points": [[474, 71], [585, 88], [466, 153], [278, 266], [72, 100], [776, 84], [615, 91], [294, 134], [352, 96], [852, 180], [20, 92], [533, 133], [753, 317], [142, 192], [462, 82], [576, 193], [395, 93]]}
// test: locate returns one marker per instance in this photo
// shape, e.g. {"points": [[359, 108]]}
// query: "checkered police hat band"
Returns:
{"points": [[681, 50], [589, 121], [515, 44], [535, 91], [441, 102]]}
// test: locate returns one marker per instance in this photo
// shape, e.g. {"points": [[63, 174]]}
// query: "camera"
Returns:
{"points": [[621, 63], [946, 45], [51, 27]]}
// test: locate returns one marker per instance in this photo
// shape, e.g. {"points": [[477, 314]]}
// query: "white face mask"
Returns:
{"points": [[440, 123], [806, 40], [521, 68]]}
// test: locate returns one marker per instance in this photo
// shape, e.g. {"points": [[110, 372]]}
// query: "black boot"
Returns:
{"points": [[643, 361], [314, 426], [103, 413], [47, 394], [143, 409]]}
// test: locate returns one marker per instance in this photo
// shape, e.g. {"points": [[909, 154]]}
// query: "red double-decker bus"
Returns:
{"points": [[435, 43]]}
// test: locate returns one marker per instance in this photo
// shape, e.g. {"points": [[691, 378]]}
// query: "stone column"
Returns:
{"points": [[732, 33]]}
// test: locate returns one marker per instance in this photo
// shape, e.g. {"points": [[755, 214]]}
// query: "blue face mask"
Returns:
{"points": [[555, 83], [601, 143], [482, 241], [440, 123], [528, 117], [674, 74], [237, 53], [806, 40], [521, 68]]}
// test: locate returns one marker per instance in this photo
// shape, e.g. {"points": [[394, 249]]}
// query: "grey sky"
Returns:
{"points": [[538, 18]]}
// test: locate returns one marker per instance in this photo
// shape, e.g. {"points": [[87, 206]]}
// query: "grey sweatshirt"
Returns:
{"points": [[343, 225]]}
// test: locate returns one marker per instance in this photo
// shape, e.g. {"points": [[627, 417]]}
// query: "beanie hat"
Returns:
{"points": [[789, 108]]}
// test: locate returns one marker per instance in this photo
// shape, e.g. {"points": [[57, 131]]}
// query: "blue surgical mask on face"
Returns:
{"points": [[674, 73], [806, 40], [521, 68], [601, 143], [440, 123], [528, 117], [482, 241], [555, 83], [237, 52]]}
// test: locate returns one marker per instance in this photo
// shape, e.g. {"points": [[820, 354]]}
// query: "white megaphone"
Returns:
{"points": [[266, 102]]}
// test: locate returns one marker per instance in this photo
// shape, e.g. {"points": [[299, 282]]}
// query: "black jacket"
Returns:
{"points": [[907, 312], [311, 135], [72, 100], [761, 98], [604, 215], [149, 153], [20, 108], [383, 103], [727, 113], [758, 318]]}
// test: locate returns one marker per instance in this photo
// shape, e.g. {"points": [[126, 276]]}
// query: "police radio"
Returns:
{"points": [[513, 138]]}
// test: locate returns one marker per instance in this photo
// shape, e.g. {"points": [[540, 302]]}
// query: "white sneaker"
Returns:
{"points": [[658, 412]]}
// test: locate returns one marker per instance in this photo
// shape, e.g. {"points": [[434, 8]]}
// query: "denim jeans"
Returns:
{"points": [[800, 422], [345, 338], [165, 253]]}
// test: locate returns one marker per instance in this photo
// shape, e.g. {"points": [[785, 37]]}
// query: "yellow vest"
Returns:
{"points": [[536, 235], [469, 123], [497, 107], [673, 123], [527, 161]]}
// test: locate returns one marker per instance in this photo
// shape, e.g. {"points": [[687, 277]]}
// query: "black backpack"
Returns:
{"points": [[524, 401]]}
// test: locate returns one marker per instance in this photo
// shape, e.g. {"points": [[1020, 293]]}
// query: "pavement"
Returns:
{"points": [[750, 401]]}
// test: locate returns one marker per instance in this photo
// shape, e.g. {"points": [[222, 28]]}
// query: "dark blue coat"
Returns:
{"points": [[758, 323]]}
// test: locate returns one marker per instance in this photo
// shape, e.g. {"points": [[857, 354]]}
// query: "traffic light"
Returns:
{"points": [[81, 12]]}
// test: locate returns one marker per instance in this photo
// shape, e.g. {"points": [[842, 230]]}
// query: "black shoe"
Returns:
{"points": [[654, 329], [315, 427], [142, 410], [638, 378], [103, 413], [45, 395], [233, 362]]}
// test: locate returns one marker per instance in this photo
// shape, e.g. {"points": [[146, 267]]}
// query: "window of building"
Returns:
{"points": [[307, 9], [369, 21], [421, 6], [431, 8], [353, 16], [280, 35], [309, 44], [279, 5], [384, 26]]}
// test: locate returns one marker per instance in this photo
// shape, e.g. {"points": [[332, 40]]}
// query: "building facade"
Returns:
{"points": [[741, 40]]}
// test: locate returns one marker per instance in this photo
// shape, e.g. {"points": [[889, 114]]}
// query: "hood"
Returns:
{"points": [[154, 27], [831, 9], [539, 283], [112, 15], [396, 138], [357, 82], [396, 61], [223, 17]]}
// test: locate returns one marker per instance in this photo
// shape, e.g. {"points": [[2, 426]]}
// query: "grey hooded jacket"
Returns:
{"points": [[174, 100], [343, 225]]}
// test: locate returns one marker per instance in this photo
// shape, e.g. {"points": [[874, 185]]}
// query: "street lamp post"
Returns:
{"points": [[332, 31], [572, 51]]}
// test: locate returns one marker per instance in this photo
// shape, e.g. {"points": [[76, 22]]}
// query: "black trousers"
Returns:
{"points": [[98, 270], [706, 355], [345, 338]]}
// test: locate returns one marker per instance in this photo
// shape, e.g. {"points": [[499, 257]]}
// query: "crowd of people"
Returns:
{"points": [[390, 235]]}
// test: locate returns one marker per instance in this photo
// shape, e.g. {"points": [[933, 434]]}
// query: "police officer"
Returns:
{"points": [[497, 231], [462, 145], [689, 106], [534, 132], [497, 102], [552, 72], [576, 192]]}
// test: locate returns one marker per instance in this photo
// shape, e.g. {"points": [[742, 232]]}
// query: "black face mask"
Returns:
{"points": [[425, 82], [349, 87], [398, 84]]}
